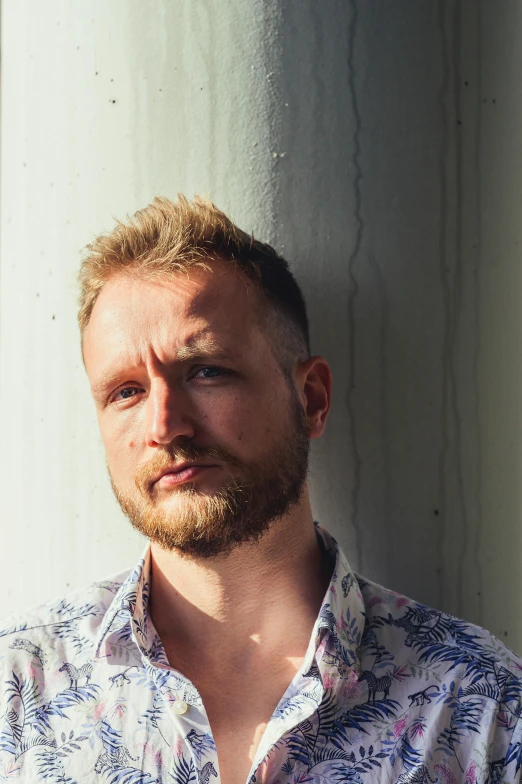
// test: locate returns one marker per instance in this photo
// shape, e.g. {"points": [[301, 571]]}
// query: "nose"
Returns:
{"points": [[167, 414]]}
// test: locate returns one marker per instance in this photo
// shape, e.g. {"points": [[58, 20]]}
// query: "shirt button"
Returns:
{"points": [[180, 707]]}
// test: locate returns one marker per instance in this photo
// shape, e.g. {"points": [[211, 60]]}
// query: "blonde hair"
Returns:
{"points": [[169, 237]]}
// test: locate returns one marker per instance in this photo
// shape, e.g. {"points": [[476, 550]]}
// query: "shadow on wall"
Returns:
{"points": [[404, 231]]}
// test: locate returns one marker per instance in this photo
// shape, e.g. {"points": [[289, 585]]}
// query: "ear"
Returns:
{"points": [[314, 386]]}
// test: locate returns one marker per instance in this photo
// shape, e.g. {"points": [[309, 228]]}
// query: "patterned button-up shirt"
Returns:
{"points": [[389, 691]]}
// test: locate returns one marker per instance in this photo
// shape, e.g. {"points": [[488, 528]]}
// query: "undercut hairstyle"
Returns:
{"points": [[169, 237]]}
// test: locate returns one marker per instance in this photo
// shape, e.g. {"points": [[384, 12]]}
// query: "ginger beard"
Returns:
{"points": [[242, 510]]}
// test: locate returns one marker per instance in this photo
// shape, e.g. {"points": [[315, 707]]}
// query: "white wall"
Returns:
{"points": [[378, 145]]}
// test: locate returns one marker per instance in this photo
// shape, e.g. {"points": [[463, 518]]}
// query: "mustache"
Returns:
{"points": [[166, 456]]}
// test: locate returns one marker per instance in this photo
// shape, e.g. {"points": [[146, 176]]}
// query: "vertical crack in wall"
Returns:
{"points": [[445, 286], [353, 284], [456, 305], [384, 312], [477, 312], [321, 115]]}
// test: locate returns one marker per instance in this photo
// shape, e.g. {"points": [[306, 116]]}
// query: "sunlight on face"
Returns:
{"points": [[182, 371]]}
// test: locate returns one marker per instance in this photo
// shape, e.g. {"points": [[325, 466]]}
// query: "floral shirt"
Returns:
{"points": [[389, 691]]}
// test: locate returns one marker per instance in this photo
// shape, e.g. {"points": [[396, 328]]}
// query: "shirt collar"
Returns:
{"points": [[335, 639], [340, 624], [127, 618]]}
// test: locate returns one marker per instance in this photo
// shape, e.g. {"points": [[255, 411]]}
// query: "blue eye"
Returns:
{"points": [[126, 393], [210, 372]]}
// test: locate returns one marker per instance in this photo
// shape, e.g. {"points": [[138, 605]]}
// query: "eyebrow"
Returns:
{"points": [[103, 383], [198, 347], [194, 348]]}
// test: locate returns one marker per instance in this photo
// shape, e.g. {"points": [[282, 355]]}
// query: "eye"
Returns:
{"points": [[125, 393], [209, 372]]}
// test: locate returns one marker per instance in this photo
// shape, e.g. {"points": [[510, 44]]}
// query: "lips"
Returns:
{"points": [[181, 473]]}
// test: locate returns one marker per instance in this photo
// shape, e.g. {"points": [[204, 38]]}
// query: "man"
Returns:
{"points": [[241, 648]]}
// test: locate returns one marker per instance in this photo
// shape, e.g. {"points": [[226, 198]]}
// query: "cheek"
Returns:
{"points": [[120, 450], [245, 425], [233, 423], [122, 460]]}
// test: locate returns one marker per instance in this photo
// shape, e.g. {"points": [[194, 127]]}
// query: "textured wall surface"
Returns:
{"points": [[378, 145]]}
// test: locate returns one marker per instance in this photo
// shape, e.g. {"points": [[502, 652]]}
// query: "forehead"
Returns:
{"points": [[134, 316]]}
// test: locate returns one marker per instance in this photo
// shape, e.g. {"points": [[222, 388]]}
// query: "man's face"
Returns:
{"points": [[206, 439]]}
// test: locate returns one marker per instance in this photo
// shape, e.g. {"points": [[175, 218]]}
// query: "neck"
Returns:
{"points": [[266, 593]]}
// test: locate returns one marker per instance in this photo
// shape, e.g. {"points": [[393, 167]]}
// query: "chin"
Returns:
{"points": [[184, 495]]}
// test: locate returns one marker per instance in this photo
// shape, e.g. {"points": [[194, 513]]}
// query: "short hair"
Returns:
{"points": [[169, 237]]}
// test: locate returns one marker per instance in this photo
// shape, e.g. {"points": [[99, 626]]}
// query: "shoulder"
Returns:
{"points": [[429, 632], [447, 679], [61, 627]]}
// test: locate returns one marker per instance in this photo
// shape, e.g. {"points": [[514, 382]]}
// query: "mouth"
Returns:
{"points": [[184, 472]]}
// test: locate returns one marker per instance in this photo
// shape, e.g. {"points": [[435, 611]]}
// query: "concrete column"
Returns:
{"points": [[378, 146]]}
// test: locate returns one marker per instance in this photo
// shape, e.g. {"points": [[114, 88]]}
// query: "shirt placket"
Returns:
{"points": [[265, 768], [183, 704], [189, 721]]}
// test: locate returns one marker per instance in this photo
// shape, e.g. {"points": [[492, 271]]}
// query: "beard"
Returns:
{"points": [[241, 511]]}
